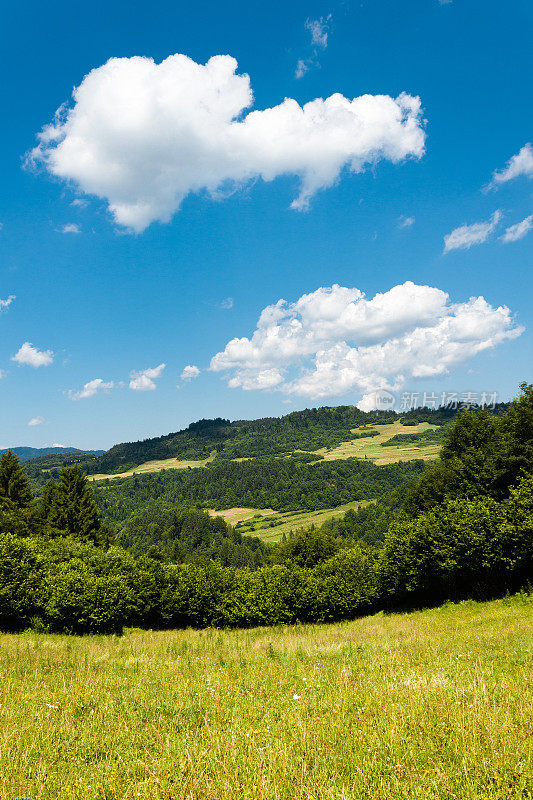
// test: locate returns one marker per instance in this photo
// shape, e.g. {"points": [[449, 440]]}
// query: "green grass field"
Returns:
{"points": [[431, 705], [270, 525]]}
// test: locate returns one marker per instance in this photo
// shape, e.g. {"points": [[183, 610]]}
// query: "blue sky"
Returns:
{"points": [[101, 301]]}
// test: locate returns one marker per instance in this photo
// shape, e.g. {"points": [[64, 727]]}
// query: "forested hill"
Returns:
{"points": [[307, 430], [28, 453]]}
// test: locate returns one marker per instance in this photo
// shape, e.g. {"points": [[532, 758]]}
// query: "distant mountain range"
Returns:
{"points": [[27, 453]]}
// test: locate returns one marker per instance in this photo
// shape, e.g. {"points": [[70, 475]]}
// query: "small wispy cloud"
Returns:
{"points": [[28, 355], [96, 386], [144, 379], [515, 232], [4, 304], [80, 203], [318, 29], [302, 67], [189, 372], [465, 236], [34, 421], [70, 227], [406, 222], [520, 164], [227, 303]]}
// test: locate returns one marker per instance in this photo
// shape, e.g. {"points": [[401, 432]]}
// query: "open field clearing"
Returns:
{"points": [[270, 525], [234, 515], [155, 466], [433, 704], [371, 447]]}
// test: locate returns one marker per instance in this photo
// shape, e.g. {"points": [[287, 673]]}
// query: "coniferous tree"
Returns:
{"points": [[68, 507], [15, 489]]}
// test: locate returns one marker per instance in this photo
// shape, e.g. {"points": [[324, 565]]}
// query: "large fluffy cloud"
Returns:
{"points": [[334, 341], [143, 135]]}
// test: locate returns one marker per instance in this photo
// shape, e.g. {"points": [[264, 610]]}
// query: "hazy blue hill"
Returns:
{"points": [[27, 453]]}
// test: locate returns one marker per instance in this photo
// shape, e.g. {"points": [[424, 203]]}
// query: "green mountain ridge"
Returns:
{"points": [[29, 453]]}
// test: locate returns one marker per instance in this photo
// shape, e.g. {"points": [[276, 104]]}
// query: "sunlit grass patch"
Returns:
{"points": [[432, 704]]}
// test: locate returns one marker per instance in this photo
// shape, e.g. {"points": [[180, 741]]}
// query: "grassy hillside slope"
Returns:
{"points": [[270, 526], [434, 704]]}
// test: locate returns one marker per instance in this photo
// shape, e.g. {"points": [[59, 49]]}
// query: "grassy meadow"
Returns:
{"points": [[154, 466], [372, 449], [431, 704], [270, 525]]}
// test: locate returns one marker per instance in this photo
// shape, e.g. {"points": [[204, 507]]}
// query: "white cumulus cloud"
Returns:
{"points": [[142, 136], [335, 340], [189, 372], [515, 232], [34, 421], [31, 356], [91, 388], [519, 164], [465, 236], [4, 304], [144, 379]]}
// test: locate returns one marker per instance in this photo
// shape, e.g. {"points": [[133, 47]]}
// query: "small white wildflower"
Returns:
{"points": [[296, 697]]}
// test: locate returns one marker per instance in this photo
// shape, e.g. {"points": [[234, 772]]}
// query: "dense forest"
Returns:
{"points": [[281, 484], [462, 527]]}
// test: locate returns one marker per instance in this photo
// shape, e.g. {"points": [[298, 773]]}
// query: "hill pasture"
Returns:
{"points": [[270, 525], [371, 447]]}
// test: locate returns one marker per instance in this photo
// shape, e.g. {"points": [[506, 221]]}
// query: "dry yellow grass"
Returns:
{"points": [[432, 705], [234, 515], [270, 525], [154, 466], [371, 447]]}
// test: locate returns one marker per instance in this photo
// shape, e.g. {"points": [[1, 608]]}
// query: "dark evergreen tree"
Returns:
{"points": [[15, 492], [68, 507]]}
